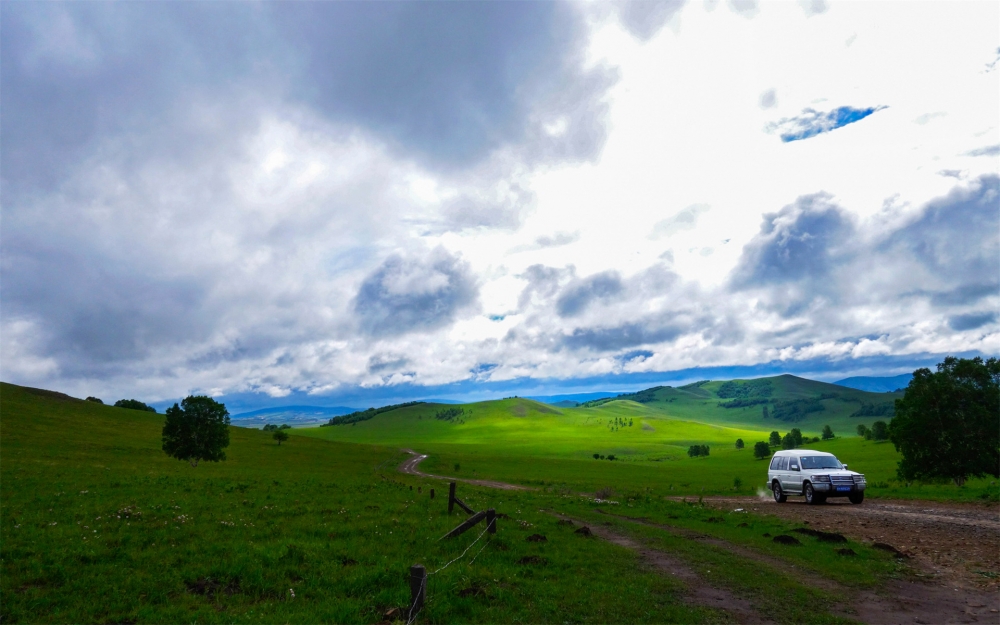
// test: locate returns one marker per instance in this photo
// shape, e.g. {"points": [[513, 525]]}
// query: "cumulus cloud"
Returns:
{"points": [[800, 242], [812, 122], [407, 294], [577, 296], [644, 18]]}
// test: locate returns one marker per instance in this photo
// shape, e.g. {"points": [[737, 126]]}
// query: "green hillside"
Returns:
{"points": [[649, 432], [99, 525]]}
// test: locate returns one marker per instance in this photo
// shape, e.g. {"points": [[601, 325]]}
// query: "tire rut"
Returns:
{"points": [[699, 592]]}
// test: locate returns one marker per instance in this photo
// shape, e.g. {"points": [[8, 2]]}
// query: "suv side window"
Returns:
{"points": [[783, 466], [793, 463], [775, 463]]}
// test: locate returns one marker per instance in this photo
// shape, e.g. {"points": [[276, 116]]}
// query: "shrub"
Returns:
{"points": [[95, 400], [280, 435], [775, 438], [880, 431], [133, 404], [761, 450], [739, 443], [827, 432]]}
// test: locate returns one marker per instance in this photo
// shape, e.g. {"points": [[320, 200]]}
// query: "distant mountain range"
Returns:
{"points": [[301, 416], [572, 400], [292, 415], [877, 384]]}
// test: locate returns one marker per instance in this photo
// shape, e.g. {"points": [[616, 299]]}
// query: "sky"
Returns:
{"points": [[326, 203]]}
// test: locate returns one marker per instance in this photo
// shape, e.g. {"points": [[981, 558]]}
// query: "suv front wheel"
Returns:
{"points": [[779, 496], [857, 497], [812, 497]]}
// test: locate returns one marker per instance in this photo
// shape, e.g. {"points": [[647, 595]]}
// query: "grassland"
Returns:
{"points": [[526, 442], [98, 525]]}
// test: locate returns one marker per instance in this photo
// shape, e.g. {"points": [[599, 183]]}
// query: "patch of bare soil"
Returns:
{"points": [[898, 603], [410, 468], [699, 591], [952, 544]]}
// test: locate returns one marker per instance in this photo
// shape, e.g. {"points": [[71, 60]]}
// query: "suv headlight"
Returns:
{"points": [[859, 479], [822, 478]]}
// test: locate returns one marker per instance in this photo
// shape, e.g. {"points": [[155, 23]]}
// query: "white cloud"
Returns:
{"points": [[231, 245]]}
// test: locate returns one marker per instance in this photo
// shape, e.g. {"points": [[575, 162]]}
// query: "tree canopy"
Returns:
{"points": [[761, 450], [196, 430], [827, 432], [133, 404], [280, 435], [947, 425]]}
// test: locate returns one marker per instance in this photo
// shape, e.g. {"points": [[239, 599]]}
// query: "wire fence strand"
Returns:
{"points": [[411, 615]]}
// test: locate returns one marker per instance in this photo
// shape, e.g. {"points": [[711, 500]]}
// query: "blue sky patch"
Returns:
{"points": [[812, 122]]}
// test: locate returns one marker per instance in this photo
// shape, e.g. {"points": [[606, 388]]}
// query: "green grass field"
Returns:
{"points": [[97, 524], [526, 442]]}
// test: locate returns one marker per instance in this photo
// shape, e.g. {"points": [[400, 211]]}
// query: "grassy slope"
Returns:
{"points": [[98, 525], [524, 441]]}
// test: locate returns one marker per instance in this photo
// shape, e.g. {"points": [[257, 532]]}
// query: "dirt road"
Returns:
{"points": [[410, 468], [955, 549], [955, 544]]}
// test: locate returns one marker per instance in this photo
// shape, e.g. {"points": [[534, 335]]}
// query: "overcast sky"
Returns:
{"points": [[321, 202]]}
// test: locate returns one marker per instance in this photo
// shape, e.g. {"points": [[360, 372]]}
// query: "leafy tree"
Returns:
{"points": [[862, 428], [765, 413], [796, 435], [827, 432], [739, 443], [96, 400], [597, 456], [611, 457], [704, 450], [880, 431], [284, 426], [694, 450], [270, 427], [133, 404], [947, 425], [761, 450], [280, 435], [775, 439], [787, 442], [196, 430]]}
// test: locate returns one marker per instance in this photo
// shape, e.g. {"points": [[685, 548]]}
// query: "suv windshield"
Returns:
{"points": [[821, 462]]}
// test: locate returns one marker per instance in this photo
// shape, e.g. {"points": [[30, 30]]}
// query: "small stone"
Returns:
{"points": [[584, 531]]}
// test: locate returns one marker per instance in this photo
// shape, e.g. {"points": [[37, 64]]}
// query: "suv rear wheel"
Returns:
{"points": [[779, 496]]}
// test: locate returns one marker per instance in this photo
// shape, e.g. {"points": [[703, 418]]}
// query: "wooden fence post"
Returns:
{"points": [[491, 521], [472, 520], [451, 497], [418, 588], [432, 493]]}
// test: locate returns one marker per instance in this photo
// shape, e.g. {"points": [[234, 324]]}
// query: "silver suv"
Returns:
{"points": [[815, 475]]}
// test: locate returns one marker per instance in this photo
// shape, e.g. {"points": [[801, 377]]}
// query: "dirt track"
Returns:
{"points": [[955, 544], [410, 467], [950, 546]]}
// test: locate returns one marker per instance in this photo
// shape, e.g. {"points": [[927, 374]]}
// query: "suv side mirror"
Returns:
{"points": [[845, 467], [794, 467]]}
